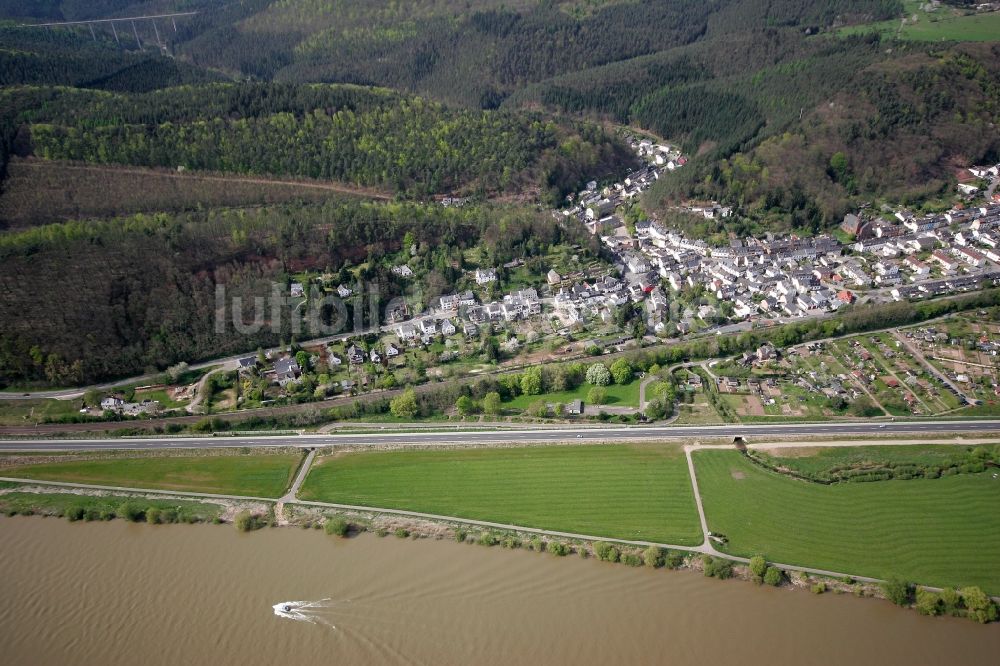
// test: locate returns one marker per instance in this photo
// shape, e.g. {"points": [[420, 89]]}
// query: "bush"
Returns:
{"points": [[951, 600], [153, 515], [654, 557], [131, 512], [674, 560], [460, 535], [75, 513], [898, 591], [981, 608], [536, 544], [337, 525], [758, 567], [402, 532], [510, 541], [246, 521], [632, 559], [557, 548], [718, 568], [818, 588], [928, 603], [774, 576], [606, 552]]}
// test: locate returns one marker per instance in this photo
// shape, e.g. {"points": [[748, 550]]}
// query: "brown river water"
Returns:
{"points": [[120, 593]]}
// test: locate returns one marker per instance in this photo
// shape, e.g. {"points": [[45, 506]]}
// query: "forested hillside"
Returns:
{"points": [[899, 130], [86, 301], [793, 111], [369, 137]]}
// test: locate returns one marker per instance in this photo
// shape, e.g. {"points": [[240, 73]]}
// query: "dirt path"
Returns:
{"points": [[199, 392], [330, 186], [293, 491]]}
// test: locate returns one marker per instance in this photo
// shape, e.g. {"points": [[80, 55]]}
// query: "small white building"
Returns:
{"points": [[485, 275]]}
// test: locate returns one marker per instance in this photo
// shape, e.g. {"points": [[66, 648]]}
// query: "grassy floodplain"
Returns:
{"points": [[943, 532], [250, 475], [625, 491]]}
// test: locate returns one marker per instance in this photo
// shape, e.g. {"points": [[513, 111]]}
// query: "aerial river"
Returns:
{"points": [[120, 593]]}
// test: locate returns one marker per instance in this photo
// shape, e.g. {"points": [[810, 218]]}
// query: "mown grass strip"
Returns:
{"points": [[250, 475], [623, 491]]}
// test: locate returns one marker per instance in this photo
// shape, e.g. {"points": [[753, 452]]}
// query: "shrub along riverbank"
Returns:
{"points": [[76, 507]]}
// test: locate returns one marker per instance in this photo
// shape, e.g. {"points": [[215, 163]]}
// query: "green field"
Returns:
{"points": [[252, 475], [940, 25], [27, 412], [625, 491], [937, 532], [618, 395]]}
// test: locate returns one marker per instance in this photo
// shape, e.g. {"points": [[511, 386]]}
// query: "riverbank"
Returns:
{"points": [[247, 514]]}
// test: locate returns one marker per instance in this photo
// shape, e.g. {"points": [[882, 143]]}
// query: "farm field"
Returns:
{"points": [[941, 532], [625, 491], [252, 475]]}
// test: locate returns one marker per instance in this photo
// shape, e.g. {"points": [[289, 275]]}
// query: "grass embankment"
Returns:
{"points": [[249, 475], [941, 532], [622, 491]]}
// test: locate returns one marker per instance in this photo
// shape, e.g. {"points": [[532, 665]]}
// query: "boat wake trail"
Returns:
{"points": [[314, 612]]}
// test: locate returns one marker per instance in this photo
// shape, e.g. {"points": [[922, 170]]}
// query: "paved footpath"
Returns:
{"points": [[292, 495]]}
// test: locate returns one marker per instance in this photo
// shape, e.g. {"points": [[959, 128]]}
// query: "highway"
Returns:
{"points": [[425, 438]]}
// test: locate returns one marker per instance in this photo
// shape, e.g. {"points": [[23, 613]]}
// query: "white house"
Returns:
{"points": [[485, 276]]}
